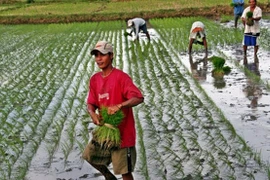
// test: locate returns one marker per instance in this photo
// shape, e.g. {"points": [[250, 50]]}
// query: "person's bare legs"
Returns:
{"points": [[206, 48], [245, 60], [104, 171], [236, 21], [127, 176], [245, 50], [245, 54], [256, 48], [148, 36], [256, 60], [190, 45]]}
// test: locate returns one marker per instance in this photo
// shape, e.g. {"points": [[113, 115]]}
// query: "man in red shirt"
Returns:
{"points": [[115, 90]]}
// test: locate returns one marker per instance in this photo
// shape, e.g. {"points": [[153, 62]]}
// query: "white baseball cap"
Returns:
{"points": [[130, 23], [102, 46]]}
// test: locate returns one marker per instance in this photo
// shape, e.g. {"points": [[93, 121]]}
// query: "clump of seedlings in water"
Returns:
{"points": [[108, 135], [219, 69]]}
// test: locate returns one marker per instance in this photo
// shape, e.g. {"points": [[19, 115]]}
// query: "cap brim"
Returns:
{"points": [[94, 51], [102, 51]]}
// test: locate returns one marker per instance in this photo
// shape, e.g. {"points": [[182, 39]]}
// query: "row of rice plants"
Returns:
{"points": [[61, 135], [265, 39], [222, 136], [41, 88], [15, 97]]}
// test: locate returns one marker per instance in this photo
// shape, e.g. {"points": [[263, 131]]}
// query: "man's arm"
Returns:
{"points": [[129, 103], [243, 21], [132, 102], [243, 17], [136, 26], [132, 30], [257, 18]]}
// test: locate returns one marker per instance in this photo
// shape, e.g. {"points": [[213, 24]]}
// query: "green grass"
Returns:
{"points": [[68, 11], [226, 18]]}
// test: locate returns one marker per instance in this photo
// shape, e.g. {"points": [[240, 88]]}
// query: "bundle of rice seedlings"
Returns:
{"points": [[250, 22], [127, 34], [219, 69], [218, 62], [249, 14], [108, 135]]}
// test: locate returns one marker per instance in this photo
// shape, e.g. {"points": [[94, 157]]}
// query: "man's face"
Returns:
{"points": [[252, 3], [103, 60]]}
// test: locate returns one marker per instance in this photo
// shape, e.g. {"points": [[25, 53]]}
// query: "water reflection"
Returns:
{"points": [[252, 89], [256, 60], [219, 82], [198, 68]]}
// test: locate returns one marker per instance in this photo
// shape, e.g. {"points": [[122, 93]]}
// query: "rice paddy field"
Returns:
{"points": [[190, 126]]}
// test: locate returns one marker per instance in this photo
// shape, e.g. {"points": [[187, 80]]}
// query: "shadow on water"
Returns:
{"points": [[219, 82], [198, 68], [252, 89]]}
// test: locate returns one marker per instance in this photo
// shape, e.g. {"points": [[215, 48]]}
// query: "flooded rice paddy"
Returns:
{"points": [[190, 126]]}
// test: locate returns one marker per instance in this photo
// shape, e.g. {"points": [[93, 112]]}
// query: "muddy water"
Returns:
{"points": [[244, 102]]}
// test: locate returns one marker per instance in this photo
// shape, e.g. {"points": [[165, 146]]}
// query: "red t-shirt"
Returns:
{"points": [[112, 90]]}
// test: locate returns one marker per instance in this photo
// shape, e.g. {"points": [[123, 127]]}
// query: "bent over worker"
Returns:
{"points": [[137, 25], [197, 31]]}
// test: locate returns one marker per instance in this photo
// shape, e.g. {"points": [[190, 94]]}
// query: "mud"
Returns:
{"points": [[243, 97]]}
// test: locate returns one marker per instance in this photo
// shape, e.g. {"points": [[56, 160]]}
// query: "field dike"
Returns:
{"points": [[182, 132]]}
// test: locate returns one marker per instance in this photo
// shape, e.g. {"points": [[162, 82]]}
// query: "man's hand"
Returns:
{"points": [[97, 119], [114, 109], [127, 34]]}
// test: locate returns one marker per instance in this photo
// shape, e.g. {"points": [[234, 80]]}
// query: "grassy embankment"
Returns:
{"points": [[64, 11]]}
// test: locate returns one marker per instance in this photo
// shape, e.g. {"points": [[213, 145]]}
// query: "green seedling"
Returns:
{"points": [[127, 34]]}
